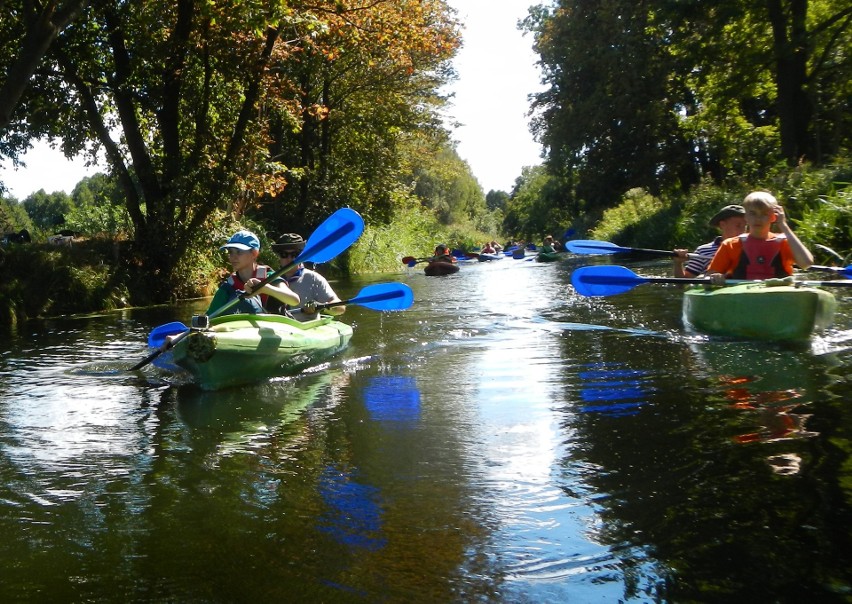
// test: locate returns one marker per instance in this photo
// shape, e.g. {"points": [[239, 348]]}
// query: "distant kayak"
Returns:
{"points": [[439, 268], [547, 257], [489, 257]]}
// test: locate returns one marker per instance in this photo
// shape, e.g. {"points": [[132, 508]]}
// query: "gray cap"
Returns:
{"points": [[727, 212]]}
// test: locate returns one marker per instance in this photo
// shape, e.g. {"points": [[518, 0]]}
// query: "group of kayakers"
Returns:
{"points": [[747, 248], [296, 293]]}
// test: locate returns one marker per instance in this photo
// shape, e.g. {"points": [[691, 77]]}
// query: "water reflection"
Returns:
{"points": [[613, 390], [769, 387], [393, 399], [353, 516]]}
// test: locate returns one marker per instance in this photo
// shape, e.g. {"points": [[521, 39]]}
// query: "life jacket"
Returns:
{"points": [[760, 258], [254, 304]]}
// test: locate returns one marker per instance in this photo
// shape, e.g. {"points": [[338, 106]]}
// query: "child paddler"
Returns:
{"points": [[243, 248], [760, 253]]}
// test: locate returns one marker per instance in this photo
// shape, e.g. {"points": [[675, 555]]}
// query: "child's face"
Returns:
{"points": [[759, 218], [240, 259]]}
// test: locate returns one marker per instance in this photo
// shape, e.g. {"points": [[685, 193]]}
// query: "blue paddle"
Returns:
{"points": [[380, 296], [610, 280], [590, 246], [331, 238], [840, 270]]}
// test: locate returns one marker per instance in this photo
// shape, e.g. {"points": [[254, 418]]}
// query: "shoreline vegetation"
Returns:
{"points": [[99, 273]]}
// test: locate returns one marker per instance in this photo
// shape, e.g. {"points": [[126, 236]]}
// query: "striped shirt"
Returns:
{"points": [[698, 266]]}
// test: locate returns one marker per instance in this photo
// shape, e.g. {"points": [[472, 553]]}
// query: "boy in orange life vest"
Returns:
{"points": [[243, 248], [760, 254]]}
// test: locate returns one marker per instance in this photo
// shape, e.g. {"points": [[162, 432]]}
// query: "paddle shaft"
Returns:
{"points": [[707, 281]]}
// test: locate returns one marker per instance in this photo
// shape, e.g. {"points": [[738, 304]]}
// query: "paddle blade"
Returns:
{"points": [[332, 237], [158, 335], [385, 296], [588, 246], [408, 260], [840, 270], [604, 280]]}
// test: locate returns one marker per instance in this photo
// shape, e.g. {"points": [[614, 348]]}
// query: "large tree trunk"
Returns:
{"points": [[790, 45]]}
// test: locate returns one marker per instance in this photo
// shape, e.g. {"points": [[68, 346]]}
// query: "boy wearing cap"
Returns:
{"points": [[730, 220], [311, 287], [760, 254], [243, 248]]}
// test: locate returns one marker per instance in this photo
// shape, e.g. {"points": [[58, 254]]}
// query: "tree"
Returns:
{"points": [[47, 210], [36, 25], [657, 94], [181, 95], [496, 200], [610, 109], [446, 186], [367, 88], [13, 216], [533, 210]]}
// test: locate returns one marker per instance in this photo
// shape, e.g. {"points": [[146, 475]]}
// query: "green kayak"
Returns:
{"points": [[547, 257], [242, 349], [759, 310]]}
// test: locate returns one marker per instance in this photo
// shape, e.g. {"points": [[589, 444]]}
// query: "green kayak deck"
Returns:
{"points": [[242, 349], [759, 310]]}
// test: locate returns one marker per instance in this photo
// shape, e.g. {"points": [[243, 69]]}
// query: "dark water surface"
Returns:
{"points": [[503, 441]]}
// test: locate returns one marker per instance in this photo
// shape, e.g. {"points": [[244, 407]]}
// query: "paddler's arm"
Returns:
{"points": [[276, 289], [801, 255], [335, 310], [677, 261]]}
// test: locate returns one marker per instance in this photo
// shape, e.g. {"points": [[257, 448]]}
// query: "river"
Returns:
{"points": [[504, 440]]}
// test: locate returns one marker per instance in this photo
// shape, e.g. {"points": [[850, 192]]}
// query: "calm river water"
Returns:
{"points": [[504, 440]]}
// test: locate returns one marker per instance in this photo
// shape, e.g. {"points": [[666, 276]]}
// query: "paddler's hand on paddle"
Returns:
{"points": [[309, 308], [717, 279], [681, 256], [250, 285]]}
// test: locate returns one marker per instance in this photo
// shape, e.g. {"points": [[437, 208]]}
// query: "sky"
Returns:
{"points": [[497, 72]]}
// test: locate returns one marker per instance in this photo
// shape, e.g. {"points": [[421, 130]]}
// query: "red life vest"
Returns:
{"points": [[760, 258]]}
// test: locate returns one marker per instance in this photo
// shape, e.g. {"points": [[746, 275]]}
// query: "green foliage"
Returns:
{"points": [[829, 223], [99, 209], [660, 95], [48, 210], [412, 232], [13, 216], [640, 215], [496, 200], [42, 280], [534, 209], [444, 183]]}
